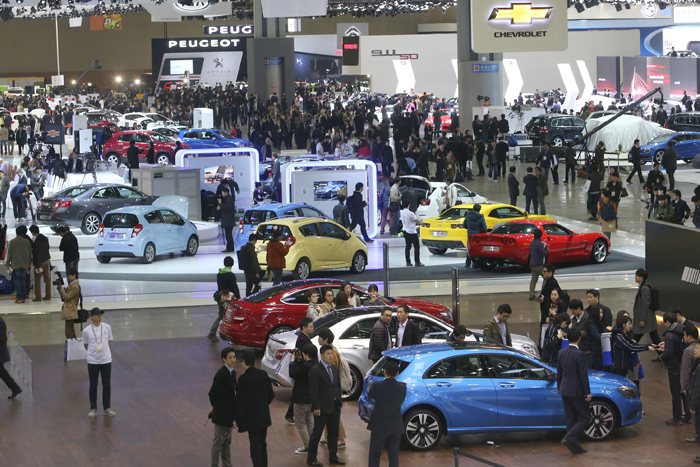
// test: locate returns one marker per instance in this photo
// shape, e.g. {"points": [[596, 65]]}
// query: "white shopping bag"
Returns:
{"points": [[74, 350], [282, 370]]}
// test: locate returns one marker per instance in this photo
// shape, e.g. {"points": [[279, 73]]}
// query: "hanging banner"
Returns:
{"points": [[106, 23], [294, 8]]}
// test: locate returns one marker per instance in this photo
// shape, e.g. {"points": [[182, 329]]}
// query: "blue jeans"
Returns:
{"points": [[494, 168], [3, 147], [19, 278], [545, 172]]}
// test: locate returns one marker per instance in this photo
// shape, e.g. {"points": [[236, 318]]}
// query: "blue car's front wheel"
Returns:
{"points": [[423, 429], [604, 420]]}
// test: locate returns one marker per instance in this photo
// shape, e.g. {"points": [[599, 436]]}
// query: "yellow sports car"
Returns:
{"points": [[316, 244], [447, 230]]}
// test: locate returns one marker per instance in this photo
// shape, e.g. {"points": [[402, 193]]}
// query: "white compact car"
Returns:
{"points": [[435, 203], [352, 328]]}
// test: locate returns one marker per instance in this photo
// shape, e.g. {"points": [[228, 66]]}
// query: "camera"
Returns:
{"points": [[58, 282]]}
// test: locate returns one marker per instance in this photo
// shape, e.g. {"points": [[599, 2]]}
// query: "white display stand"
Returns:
{"points": [[79, 123], [301, 181], [241, 164], [203, 118], [85, 141]]}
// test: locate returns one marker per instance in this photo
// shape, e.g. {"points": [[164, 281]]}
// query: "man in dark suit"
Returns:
{"points": [[573, 387], [75, 165], [407, 332], [513, 187], [132, 158], [380, 338], [544, 160], [530, 191], [222, 397], [307, 327], [324, 386], [386, 423], [253, 407]]}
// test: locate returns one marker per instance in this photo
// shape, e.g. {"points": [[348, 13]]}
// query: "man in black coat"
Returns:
{"points": [[544, 160], [669, 161], [132, 158], [326, 401], [573, 387], [69, 247], [386, 423], [306, 325], [407, 332], [513, 187], [380, 339], [4, 358], [530, 191], [227, 288], [252, 412], [357, 211], [227, 206], [549, 283], [636, 156], [593, 298], [222, 397]]}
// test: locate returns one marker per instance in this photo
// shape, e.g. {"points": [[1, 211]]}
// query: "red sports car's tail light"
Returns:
{"points": [[475, 239], [509, 241]]}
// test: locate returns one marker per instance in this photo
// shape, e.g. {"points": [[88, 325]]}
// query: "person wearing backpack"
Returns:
{"points": [[644, 319], [340, 212], [607, 211], [248, 263]]}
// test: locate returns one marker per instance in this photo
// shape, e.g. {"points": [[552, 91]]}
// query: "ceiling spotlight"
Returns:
{"points": [[628, 6], [618, 7], [137, 82], [119, 79], [591, 3], [579, 7], [662, 5]]}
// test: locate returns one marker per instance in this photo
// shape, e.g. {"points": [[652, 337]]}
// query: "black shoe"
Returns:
{"points": [[687, 419], [674, 422], [313, 462], [697, 460], [579, 449], [15, 394], [419, 264], [227, 251], [569, 446], [408, 264], [336, 461]]}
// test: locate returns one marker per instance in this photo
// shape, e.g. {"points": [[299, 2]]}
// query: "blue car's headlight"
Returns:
{"points": [[628, 391]]}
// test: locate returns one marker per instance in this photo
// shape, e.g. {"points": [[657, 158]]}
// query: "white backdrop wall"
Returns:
{"points": [[539, 69], [433, 69]]}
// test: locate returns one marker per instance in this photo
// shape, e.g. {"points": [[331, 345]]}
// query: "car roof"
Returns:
{"points": [[488, 205], [686, 133], [136, 209], [402, 352], [279, 207]]}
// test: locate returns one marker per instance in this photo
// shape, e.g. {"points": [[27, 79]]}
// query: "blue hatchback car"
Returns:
{"points": [[687, 146], [144, 232], [267, 212], [199, 138], [477, 387]]}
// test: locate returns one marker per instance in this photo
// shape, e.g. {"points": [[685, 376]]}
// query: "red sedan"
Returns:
{"points": [[249, 321], [509, 243], [115, 149]]}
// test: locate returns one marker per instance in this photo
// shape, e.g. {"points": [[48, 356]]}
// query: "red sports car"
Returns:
{"points": [[115, 149], [445, 119], [249, 321], [509, 243]]}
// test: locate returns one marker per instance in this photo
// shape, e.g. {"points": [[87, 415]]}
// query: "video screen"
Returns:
{"points": [[214, 175], [180, 67], [329, 191]]}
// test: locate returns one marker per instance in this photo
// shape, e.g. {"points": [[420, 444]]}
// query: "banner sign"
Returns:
{"points": [[106, 23], [239, 30], [294, 8], [487, 68], [510, 26]]}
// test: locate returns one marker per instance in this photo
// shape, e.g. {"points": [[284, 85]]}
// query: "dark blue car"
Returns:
{"points": [[212, 139], [481, 387], [687, 146]]}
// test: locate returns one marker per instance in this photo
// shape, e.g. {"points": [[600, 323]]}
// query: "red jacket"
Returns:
{"points": [[276, 251]]}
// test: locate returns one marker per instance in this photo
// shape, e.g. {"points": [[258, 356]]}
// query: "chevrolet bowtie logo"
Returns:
{"points": [[521, 13], [53, 133]]}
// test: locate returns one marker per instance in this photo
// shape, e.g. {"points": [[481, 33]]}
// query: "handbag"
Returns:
{"points": [[83, 314], [345, 375], [624, 193], [587, 185]]}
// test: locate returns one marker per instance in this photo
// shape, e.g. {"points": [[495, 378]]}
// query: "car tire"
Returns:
{"points": [[599, 251], [91, 223], [54, 229], [359, 263], [658, 155], [149, 253], [192, 246], [103, 259], [430, 422], [558, 141], [163, 158], [114, 158], [302, 270], [604, 420], [437, 251], [357, 385]]}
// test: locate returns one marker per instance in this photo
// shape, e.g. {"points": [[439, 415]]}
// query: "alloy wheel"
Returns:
{"points": [[602, 422], [92, 223], [422, 430]]}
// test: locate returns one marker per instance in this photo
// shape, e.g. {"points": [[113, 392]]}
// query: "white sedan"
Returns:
{"points": [[352, 328], [435, 203]]}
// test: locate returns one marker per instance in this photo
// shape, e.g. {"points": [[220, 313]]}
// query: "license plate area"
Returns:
{"points": [[116, 236], [438, 234], [491, 248]]}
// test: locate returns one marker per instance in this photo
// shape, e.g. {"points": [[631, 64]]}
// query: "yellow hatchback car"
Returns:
{"points": [[318, 244], [447, 230]]}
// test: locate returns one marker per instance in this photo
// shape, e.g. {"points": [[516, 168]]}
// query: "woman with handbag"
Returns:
{"points": [[71, 298]]}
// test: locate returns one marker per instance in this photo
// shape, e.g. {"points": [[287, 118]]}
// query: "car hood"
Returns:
{"points": [[423, 305]]}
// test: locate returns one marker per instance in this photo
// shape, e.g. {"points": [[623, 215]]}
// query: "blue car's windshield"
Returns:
{"points": [[223, 134], [660, 139]]}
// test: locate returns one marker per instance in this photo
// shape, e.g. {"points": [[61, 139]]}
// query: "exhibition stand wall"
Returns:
{"points": [[164, 181], [673, 262]]}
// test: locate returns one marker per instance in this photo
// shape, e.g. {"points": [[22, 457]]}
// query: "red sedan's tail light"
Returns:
{"points": [[425, 202], [101, 232], [137, 230], [509, 241], [62, 204], [240, 227], [279, 354]]}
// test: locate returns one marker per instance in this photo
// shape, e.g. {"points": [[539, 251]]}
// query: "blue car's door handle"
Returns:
{"points": [[507, 385], [444, 385]]}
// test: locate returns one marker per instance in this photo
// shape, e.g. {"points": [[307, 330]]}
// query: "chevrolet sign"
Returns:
{"points": [[505, 26]]}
